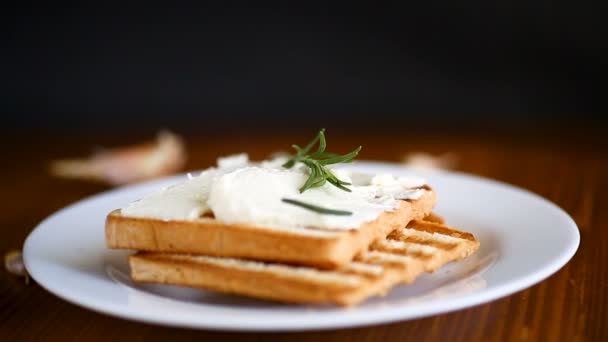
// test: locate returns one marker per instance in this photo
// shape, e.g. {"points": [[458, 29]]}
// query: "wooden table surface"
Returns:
{"points": [[568, 168]]}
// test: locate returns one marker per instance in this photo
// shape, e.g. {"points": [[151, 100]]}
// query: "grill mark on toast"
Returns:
{"points": [[403, 252], [271, 268], [405, 249], [401, 258], [432, 217], [408, 246], [381, 258], [404, 235], [431, 227], [369, 271]]}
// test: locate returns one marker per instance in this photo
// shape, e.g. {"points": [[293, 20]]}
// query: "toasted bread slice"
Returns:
{"points": [[400, 258], [432, 217], [304, 246]]}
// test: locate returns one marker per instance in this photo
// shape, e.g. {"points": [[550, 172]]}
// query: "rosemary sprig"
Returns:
{"points": [[317, 161], [316, 208]]}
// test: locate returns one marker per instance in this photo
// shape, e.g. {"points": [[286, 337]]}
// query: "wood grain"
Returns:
{"points": [[571, 305]]}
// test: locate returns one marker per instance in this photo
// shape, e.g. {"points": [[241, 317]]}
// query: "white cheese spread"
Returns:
{"points": [[238, 191]]}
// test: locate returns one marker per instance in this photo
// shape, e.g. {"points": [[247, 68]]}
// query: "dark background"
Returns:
{"points": [[216, 67]]}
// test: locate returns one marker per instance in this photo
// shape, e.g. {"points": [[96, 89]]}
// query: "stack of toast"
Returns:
{"points": [[295, 265]]}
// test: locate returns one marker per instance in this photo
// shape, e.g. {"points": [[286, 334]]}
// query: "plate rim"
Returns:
{"points": [[386, 316]]}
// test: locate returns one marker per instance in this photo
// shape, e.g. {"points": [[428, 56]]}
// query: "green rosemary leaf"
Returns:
{"points": [[322, 141], [292, 161], [316, 208], [318, 155], [289, 164], [337, 184], [313, 178], [317, 160], [314, 141], [330, 175], [341, 159], [317, 176]]}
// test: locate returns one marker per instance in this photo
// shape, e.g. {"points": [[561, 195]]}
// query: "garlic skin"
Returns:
{"points": [[127, 164], [13, 262]]}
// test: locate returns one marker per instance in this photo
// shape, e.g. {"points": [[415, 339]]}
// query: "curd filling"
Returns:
{"points": [[239, 191]]}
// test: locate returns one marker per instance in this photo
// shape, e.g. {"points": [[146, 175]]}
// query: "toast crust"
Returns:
{"points": [[167, 269], [373, 272], [319, 248]]}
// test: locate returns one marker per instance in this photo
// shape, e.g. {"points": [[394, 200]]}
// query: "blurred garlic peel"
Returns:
{"points": [[127, 164], [420, 160], [13, 262]]}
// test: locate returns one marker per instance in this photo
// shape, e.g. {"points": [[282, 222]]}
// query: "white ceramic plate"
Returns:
{"points": [[524, 239]]}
